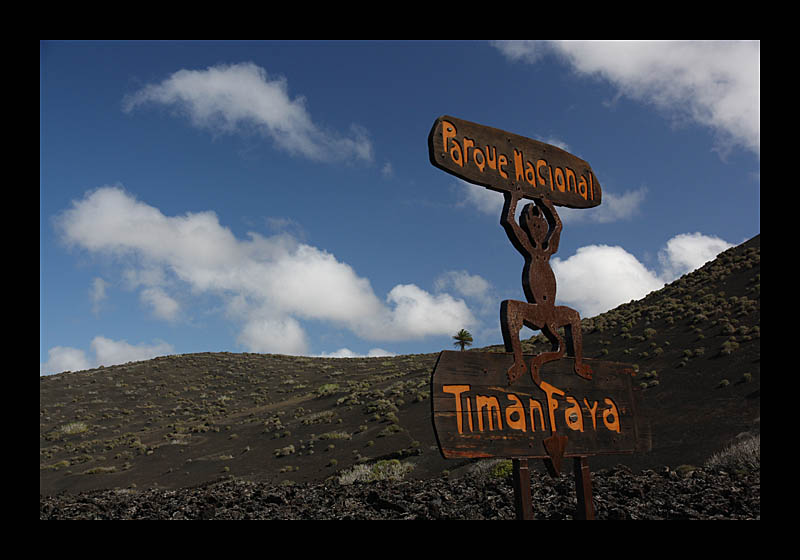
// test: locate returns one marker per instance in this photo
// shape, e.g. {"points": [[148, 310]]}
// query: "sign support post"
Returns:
{"points": [[522, 488], [485, 404], [583, 488]]}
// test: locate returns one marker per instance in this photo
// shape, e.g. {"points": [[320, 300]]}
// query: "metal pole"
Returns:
{"points": [[583, 489], [522, 489]]}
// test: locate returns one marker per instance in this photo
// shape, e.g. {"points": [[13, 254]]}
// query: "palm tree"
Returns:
{"points": [[463, 338]]}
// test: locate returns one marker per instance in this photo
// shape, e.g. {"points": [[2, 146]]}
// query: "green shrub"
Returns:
{"points": [[327, 389], [284, 451], [728, 347], [391, 469], [100, 470], [389, 430], [334, 435], [74, 428], [502, 469]]}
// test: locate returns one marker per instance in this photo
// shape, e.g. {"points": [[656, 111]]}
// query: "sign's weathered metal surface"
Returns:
{"points": [[507, 162], [483, 404], [477, 414], [537, 239]]}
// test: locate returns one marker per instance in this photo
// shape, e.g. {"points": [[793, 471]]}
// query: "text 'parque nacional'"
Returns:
{"points": [[508, 162]]}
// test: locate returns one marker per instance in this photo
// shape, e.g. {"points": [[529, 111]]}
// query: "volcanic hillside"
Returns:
{"points": [[179, 421]]}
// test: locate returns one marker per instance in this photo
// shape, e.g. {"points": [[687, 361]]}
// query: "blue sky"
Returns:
{"points": [[277, 196]]}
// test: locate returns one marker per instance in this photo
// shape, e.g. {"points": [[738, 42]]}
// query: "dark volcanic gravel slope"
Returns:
{"points": [[618, 494]]}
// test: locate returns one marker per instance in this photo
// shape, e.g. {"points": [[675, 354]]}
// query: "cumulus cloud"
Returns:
{"points": [[238, 97], [688, 251], [106, 352], [282, 335], [347, 353], [162, 304], [268, 285], [97, 294], [471, 286], [714, 83], [64, 358], [598, 278], [615, 207]]}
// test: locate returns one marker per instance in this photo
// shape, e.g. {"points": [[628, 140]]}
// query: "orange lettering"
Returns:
{"points": [[582, 187], [491, 157], [560, 179], [571, 175], [539, 164], [552, 404], [455, 153], [592, 409], [448, 131], [613, 423], [482, 163], [573, 415], [468, 143], [491, 405], [530, 176], [533, 404], [501, 162], [456, 390], [516, 408], [518, 164]]}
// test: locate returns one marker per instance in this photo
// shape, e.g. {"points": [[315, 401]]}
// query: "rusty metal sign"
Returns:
{"points": [[485, 404], [476, 413], [508, 162]]}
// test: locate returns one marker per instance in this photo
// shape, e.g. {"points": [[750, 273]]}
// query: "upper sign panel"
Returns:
{"points": [[507, 162]]}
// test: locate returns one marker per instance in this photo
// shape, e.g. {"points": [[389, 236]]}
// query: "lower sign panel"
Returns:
{"points": [[477, 414]]}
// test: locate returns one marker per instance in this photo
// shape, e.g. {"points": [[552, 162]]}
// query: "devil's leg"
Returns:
{"points": [[511, 317], [572, 328]]}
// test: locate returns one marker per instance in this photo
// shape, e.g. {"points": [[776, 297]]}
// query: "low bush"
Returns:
{"points": [[391, 469], [744, 455]]}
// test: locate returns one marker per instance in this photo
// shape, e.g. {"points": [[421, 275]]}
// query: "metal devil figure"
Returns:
{"points": [[554, 404]]}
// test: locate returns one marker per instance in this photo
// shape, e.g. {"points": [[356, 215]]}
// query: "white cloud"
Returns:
{"points": [[238, 97], [471, 286], [613, 209], [110, 352], [282, 335], [714, 83], [267, 284], [97, 294], [106, 352], [347, 353], [598, 278], [64, 358], [689, 251], [417, 313], [163, 305]]}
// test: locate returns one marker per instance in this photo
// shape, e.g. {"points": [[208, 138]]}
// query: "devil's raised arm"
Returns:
{"points": [[554, 235], [515, 233]]}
